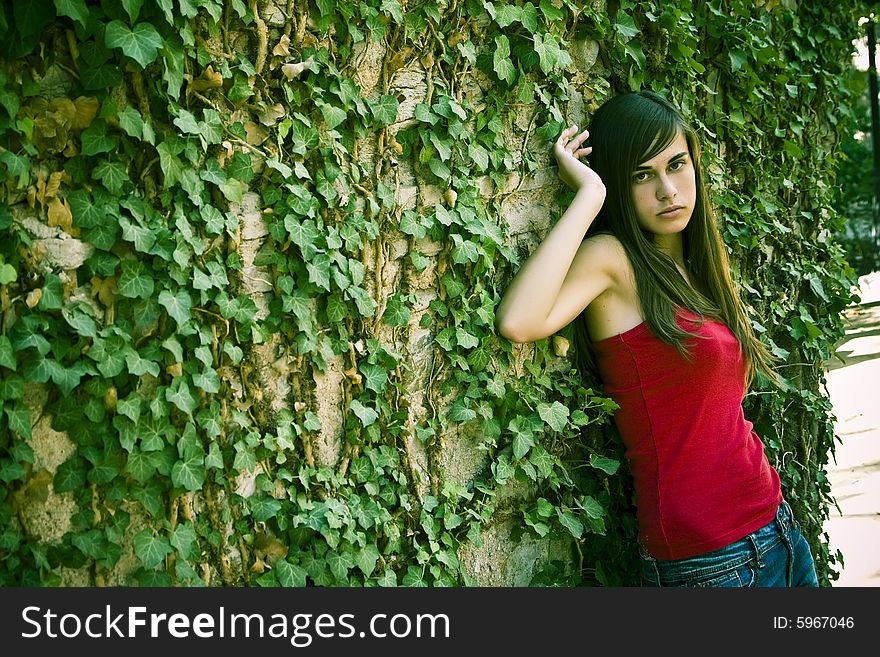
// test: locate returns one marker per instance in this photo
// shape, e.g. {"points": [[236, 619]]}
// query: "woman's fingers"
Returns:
{"points": [[570, 140]]}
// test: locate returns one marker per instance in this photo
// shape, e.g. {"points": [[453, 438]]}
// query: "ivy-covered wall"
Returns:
{"points": [[250, 254]]}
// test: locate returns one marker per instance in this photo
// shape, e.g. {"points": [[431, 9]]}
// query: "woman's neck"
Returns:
{"points": [[673, 246]]}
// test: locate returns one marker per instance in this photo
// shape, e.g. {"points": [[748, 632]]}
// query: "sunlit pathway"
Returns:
{"points": [[854, 388]]}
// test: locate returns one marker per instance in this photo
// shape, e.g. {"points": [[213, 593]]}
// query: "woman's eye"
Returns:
{"points": [[675, 166], [641, 177]]}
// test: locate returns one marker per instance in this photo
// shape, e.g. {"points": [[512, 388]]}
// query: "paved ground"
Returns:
{"points": [[854, 388]]}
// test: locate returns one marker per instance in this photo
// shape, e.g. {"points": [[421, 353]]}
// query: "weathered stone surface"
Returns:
{"points": [[410, 83], [61, 253], [45, 514], [256, 281], [584, 53], [501, 561], [369, 55], [328, 397]]}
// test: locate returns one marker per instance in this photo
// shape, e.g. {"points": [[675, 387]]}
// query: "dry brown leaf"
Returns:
{"points": [[560, 345], [105, 289], [175, 370], [86, 111], [272, 114], [33, 297], [283, 47], [37, 191], [256, 134], [450, 196], [35, 491], [209, 79], [54, 184], [268, 547], [59, 214], [294, 70], [110, 398], [400, 58]]}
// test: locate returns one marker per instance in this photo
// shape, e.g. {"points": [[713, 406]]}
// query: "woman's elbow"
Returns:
{"points": [[513, 331]]}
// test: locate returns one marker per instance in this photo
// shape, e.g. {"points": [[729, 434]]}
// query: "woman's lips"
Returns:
{"points": [[671, 213]]}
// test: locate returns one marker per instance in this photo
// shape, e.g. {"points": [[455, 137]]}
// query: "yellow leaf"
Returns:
{"points": [[54, 184], [59, 214], [106, 290], [86, 111], [209, 79], [63, 112], [33, 297]]}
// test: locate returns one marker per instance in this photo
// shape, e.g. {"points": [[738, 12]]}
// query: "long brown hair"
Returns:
{"points": [[626, 131]]}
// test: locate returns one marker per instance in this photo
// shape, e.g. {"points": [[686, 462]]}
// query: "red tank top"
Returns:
{"points": [[701, 477]]}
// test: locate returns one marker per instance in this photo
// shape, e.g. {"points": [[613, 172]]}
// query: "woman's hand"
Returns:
{"points": [[568, 152]]}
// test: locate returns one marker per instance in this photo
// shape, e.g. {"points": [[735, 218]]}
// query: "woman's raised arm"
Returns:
{"points": [[564, 274]]}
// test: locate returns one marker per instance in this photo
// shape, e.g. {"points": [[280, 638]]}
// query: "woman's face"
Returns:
{"points": [[664, 189]]}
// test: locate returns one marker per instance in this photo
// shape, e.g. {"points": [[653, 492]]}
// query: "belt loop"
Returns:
{"points": [[759, 557], [783, 516]]}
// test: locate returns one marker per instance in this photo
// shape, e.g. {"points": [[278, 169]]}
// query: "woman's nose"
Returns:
{"points": [[665, 188]]}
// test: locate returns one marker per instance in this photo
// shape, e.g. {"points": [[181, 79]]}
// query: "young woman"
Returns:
{"points": [[638, 263]]}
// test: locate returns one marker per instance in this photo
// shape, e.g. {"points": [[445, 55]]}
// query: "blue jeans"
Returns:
{"points": [[775, 555]]}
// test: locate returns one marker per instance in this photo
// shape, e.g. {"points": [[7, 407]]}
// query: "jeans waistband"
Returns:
{"points": [[740, 552]]}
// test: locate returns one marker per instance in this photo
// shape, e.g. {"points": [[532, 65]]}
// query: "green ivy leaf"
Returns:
{"points": [[189, 473], [208, 381], [396, 312], [591, 507], [74, 9], [523, 436], [185, 540], [555, 414], [375, 377], [288, 574], [366, 559], [7, 273], [150, 549], [551, 11], [459, 411], [19, 419], [142, 43], [385, 109], [326, 7], [550, 55], [465, 339], [501, 60], [607, 465], [179, 395], [7, 354], [53, 293], [570, 521], [506, 15], [138, 365], [340, 563], [264, 508], [95, 139], [141, 466], [135, 282], [366, 415], [178, 305], [132, 8]]}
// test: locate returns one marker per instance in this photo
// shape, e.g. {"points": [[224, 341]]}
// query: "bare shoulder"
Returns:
{"points": [[603, 251]]}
